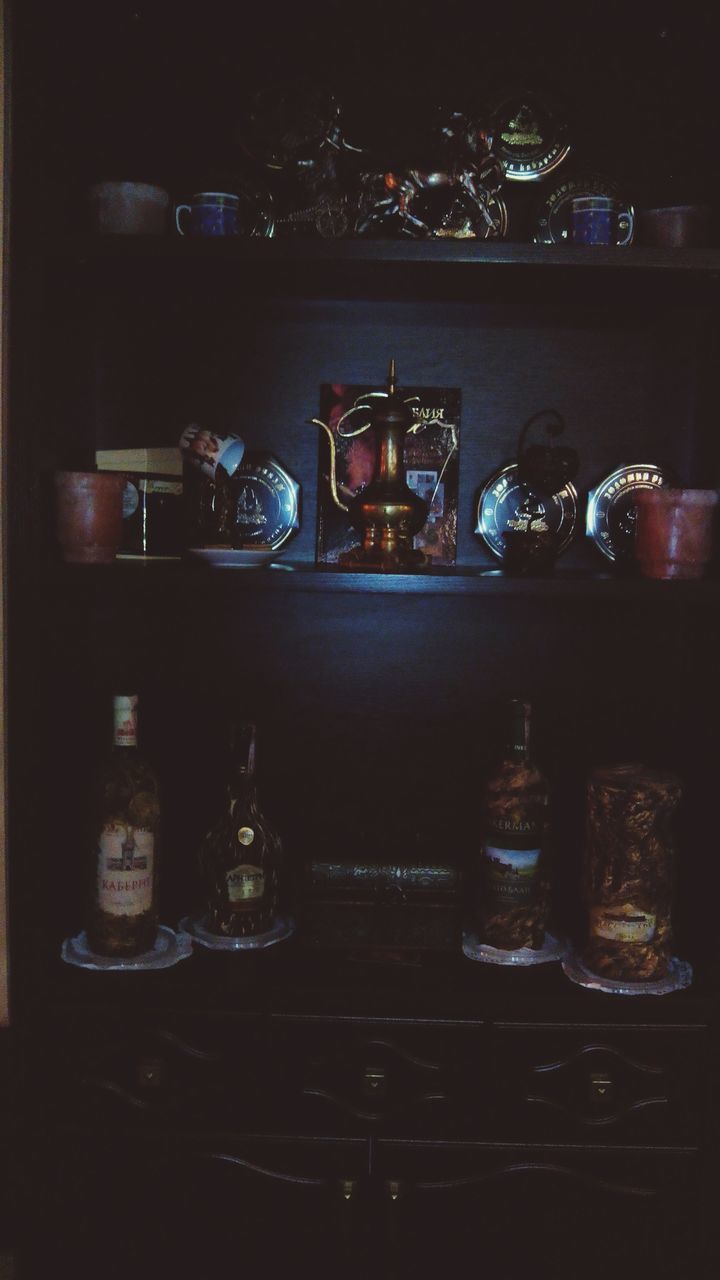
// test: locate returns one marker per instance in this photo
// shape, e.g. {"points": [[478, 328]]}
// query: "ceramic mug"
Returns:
{"points": [[89, 514], [594, 220], [210, 213], [129, 208], [674, 530]]}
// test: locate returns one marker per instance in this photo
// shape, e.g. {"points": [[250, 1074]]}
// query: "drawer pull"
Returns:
{"points": [[151, 1073], [348, 1188], [602, 1089], [374, 1084], [393, 1190]]}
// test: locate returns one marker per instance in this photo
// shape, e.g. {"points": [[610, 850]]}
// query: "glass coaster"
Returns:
{"points": [[169, 948], [474, 949], [283, 928], [678, 976]]}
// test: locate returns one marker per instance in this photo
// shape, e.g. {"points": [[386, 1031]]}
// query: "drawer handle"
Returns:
{"points": [[393, 1189], [348, 1188], [151, 1073], [602, 1089], [374, 1083]]}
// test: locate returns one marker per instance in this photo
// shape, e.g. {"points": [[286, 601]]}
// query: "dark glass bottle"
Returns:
{"points": [[241, 854], [122, 917], [512, 890]]}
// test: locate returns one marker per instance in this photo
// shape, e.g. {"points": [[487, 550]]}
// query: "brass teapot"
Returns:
{"points": [[387, 512]]}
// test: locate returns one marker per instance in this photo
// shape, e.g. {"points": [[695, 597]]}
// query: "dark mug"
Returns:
{"points": [[595, 220], [210, 213]]}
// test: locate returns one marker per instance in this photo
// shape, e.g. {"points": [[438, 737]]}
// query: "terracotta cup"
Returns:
{"points": [[674, 531], [89, 515]]}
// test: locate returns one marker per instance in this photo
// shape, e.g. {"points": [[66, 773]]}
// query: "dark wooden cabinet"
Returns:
{"points": [[295, 1110]]}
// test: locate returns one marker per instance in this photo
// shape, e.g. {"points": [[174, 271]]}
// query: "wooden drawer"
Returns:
{"points": [[600, 1084], [390, 1076]]}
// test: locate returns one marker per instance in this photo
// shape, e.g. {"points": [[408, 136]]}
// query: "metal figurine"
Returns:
{"points": [[457, 197], [387, 513]]}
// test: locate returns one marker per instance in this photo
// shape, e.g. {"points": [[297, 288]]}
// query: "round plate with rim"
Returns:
{"points": [[610, 520], [553, 217], [229, 558], [170, 947], [503, 506], [474, 949], [195, 927], [528, 136], [679, 975]]}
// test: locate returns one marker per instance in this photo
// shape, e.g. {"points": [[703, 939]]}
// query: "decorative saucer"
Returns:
{"points": [[169, 949], [679, 975], [283, 928], [610, 520], [474, 949], [504, 504]]}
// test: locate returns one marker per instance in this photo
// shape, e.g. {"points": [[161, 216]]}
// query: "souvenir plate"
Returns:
{"points": [[504, 504], [528, 136], [610, 518], [553, 219], [264, 503]]}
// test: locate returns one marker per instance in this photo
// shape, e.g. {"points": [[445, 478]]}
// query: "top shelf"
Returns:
{"points": [[465, 253], [465, 270]]}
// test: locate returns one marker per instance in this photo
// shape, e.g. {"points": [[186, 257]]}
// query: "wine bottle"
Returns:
{"points": [[512, 891], [241, 854], [122, 919]]}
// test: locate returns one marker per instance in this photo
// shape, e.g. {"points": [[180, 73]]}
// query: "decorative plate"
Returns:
{"points": [[553, 219], [610, 520], [504, 505], [679, 975], [169, 949], [528, 136], [263, 503], [284, 927], [474, 949]]}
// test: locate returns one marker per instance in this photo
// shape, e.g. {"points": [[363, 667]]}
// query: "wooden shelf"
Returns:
{"points": [[287, 576], [635, 259]]}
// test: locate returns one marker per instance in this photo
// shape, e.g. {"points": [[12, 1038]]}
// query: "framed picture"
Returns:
{"points": [[431, 458]]}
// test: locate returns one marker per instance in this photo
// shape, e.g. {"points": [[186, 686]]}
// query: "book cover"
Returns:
{"points": [[431, 461]]}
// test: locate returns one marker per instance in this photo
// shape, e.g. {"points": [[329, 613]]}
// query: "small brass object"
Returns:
{"points": [[387, 513]]}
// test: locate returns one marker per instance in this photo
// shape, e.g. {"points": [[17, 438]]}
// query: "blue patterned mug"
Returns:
{"points": [[210, 213]]}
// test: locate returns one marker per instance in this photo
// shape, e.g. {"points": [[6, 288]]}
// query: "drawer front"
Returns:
{"points": [[601, 1084], [379, 1076], [543, 1210]]}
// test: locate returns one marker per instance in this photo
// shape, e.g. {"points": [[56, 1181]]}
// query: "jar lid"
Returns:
{"points": [[505, 504], [610, 520]]}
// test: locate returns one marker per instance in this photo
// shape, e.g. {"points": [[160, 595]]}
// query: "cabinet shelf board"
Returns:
{"points": [[288, 576], [462, 253]]}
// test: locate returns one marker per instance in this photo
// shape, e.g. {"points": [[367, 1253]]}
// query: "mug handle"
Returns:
{"points": [[180, 208]]}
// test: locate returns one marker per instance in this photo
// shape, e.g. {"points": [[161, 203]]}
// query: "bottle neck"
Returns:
{"points": [[242, 782], [517, 744], [125, 733]]}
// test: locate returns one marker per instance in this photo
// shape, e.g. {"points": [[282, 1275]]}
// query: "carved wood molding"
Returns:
{"points": [[609, 1118], [591, 1181], [620, 1056]]}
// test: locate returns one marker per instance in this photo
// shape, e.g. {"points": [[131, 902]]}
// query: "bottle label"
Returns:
{"points": [[622, 924], [125, 721], [511, 876], [125, 869], [244, 883]]}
